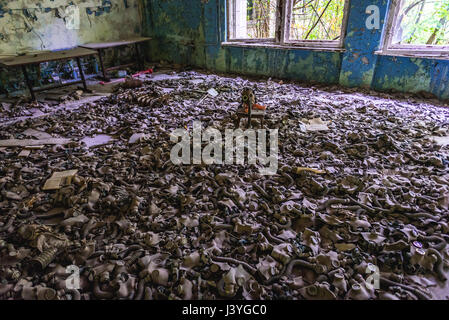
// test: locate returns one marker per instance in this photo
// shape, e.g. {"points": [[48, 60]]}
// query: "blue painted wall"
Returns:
{"points": [[191, 32]]}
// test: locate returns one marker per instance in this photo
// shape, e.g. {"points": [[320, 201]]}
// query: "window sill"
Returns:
{"points": [[280, 46], [414, 54]]}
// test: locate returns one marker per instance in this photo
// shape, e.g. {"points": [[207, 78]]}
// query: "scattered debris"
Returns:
{"points": [[211, 92], [140, 227], [24, 153], [37, 134], [98, 140], [303, 169], [59, 179], [31, 142], [10, 111], [131, 83], [315, 124], [73, 96], [137, 137], [442, 141]]}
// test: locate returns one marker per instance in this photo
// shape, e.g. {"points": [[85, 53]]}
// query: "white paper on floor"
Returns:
{"points": [[315, 124]]}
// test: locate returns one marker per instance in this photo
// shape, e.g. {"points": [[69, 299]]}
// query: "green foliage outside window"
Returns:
{"points": [[422, 22]]}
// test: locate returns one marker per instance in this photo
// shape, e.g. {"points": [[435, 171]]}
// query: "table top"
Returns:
{"points": [[45, 56], [124, 42]]}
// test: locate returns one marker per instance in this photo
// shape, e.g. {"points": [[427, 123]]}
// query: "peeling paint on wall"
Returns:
{"points": [[30, 25]]}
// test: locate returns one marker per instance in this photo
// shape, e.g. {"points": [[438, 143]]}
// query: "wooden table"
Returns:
{"points": [[47, 56], [100, 46]]}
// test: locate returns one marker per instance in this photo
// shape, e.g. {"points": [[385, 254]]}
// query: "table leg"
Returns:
{"points": [[80, 68], [103, 70], [139, 57], [249, 114], [28, 82]]}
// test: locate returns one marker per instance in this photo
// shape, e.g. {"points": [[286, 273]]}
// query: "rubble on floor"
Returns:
{"points": [[19, 109], [23, 107], [362, 185]]}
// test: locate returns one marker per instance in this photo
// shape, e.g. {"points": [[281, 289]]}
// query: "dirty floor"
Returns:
{"points": [[362, 186]]}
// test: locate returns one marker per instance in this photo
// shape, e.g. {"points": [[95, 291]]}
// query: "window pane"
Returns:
{"points": [[254, 19], [317, 19], [422, 22]]}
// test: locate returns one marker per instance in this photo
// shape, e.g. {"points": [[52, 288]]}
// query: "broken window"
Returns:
{"points": [[417, 27], [422, 22], [253, 19], [293, 22], [316, 19]]}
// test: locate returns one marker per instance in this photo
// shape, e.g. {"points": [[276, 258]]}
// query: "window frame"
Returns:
{"points": [[415, 50], [230, 25], [282, 30], [316, 43]]}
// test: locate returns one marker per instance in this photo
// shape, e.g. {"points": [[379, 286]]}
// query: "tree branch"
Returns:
{"points": [[319, 18]]}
